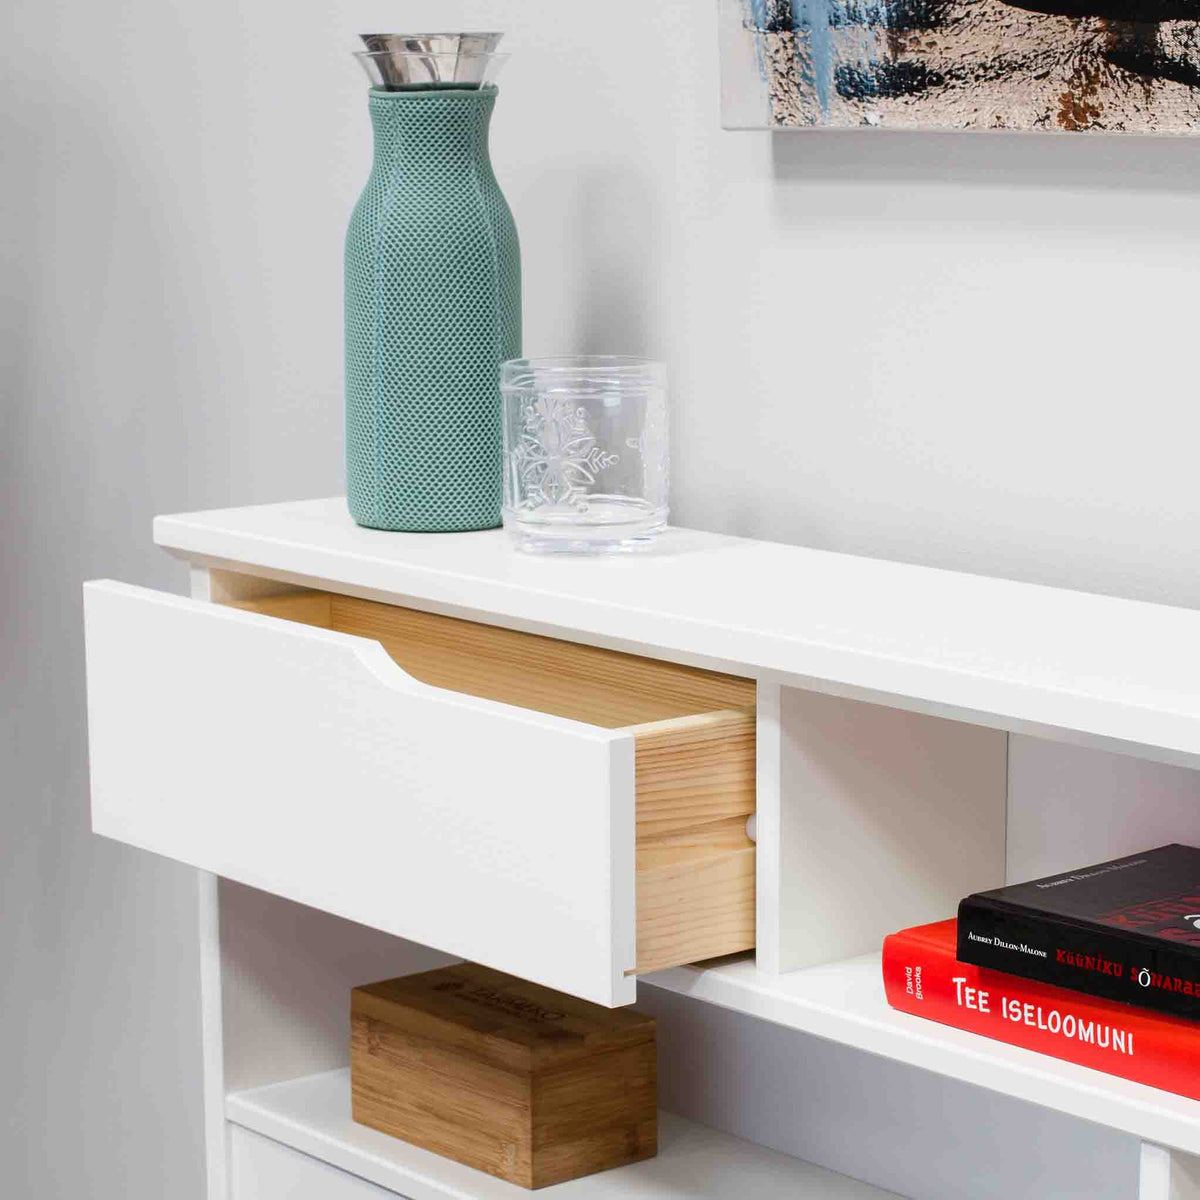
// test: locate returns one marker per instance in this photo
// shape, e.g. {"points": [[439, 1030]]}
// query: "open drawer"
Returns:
{"points": [[568, 814]]}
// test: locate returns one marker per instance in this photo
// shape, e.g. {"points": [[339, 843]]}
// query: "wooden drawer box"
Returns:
{"points": [[567, 814]]}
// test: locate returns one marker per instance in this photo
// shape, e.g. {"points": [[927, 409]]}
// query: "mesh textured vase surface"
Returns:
{"points": [[433, 306]]}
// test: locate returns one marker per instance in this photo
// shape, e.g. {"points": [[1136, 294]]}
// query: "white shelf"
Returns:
{"points": [[312, 1115], [844, 1002], [1089, 669]]}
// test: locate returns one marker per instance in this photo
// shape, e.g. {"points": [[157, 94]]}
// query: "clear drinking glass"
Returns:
{"points": [[585, 452]]}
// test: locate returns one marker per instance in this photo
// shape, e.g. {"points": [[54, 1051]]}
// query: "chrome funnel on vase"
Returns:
{"points": [[404, 62]]}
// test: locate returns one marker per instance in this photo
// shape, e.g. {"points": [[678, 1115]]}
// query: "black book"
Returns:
{"points": [[1126, 930]]}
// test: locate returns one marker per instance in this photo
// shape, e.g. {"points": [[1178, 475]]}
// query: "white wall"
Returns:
{"points": [[974, 351]]}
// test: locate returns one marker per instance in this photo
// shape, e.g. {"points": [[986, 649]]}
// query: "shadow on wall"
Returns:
{"points": [[1129, 163]]}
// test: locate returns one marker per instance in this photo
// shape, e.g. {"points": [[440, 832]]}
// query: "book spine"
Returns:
{"points": [[926, 979], [1092, 960]]}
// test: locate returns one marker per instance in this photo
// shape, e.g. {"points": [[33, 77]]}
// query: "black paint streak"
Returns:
{"points": [[885, 79], [1146, 12]]}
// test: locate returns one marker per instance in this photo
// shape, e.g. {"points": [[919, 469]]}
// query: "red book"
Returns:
{"points": [[923, 976]]}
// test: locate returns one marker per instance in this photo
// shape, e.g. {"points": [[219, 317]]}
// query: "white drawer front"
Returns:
{"points": [[306, 763], [260, 1169]]}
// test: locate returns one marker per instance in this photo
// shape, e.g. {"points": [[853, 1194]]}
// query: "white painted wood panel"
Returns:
{"points": [[212, 1032], [262, 1169], [844, 1002], [1095, 670], [307, 763], [212, 1038], [313, 1116], [1154, 1173], [1168, 1174], [886, 819], [772, 889]]}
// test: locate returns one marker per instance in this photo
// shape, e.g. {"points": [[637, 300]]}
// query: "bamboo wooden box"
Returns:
{"points": [[522, 1082]]}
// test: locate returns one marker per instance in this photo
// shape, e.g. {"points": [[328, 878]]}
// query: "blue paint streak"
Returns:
{"points": [[827, 48], [813, 19], [758, 13]]}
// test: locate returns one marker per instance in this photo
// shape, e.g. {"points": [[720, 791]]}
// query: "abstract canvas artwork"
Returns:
{"points": [[1117, 66]]}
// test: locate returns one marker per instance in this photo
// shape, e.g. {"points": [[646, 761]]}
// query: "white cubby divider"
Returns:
{"points": [[1167, 1174], [880, 817]]}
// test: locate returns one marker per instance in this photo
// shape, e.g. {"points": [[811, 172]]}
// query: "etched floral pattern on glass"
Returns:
{"points": [[557, 457]]}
